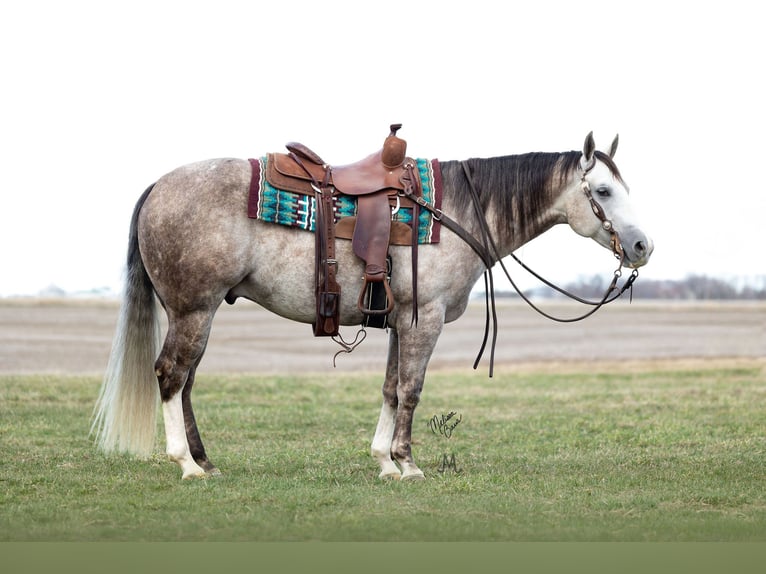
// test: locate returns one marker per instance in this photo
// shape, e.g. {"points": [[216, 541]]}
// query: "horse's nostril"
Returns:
{"points": [[640, 247]]}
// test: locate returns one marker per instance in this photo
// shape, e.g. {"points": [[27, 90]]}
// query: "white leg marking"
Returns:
{"points": [[175, 433], [381, 444]]}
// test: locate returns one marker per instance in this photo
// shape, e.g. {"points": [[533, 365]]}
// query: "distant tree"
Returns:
{"points": [[693, 287]]}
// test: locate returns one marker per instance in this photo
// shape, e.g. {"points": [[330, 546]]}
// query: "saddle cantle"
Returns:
{"points": [[377, 182]]}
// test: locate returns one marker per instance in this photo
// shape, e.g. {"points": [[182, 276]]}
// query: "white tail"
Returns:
{"points": [[125, 415]]}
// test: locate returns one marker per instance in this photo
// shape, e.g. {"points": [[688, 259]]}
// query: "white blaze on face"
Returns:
{"points": [[612, 195]]}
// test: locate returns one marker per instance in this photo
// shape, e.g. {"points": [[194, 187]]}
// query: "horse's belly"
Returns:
{"points": [[282, 279]]}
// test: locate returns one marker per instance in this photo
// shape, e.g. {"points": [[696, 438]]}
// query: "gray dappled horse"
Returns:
{"points": [[192, 245]]}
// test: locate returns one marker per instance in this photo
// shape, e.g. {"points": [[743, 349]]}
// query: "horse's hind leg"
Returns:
{"points": [[196, 448], [184, 345]]}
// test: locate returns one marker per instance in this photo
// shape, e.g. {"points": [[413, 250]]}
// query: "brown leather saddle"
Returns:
{"points": [[379, 182]]}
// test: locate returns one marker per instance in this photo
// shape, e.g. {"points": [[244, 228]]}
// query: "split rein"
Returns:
{"points": [[489, 254]]}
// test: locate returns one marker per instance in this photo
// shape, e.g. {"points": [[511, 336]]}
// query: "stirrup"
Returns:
{"points": [[375, 312]]}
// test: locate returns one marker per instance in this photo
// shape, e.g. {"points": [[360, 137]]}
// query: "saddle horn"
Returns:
{"points": [[394, 149]]}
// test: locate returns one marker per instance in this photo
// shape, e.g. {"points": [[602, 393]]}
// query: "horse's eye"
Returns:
{"points": [[604, 191]]}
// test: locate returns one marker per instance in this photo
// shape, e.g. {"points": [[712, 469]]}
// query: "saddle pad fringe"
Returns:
{"points": [[297, 210]]}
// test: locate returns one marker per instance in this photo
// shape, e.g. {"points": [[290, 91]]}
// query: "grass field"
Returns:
{"points": [[662, 452]]}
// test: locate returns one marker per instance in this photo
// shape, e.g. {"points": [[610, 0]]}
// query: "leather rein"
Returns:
{"points": [[487, 250]]}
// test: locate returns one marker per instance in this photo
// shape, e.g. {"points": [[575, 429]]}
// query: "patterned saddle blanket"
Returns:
{"points": [[298, 210]]}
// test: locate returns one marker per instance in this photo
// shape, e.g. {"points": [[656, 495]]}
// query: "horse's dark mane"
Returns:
{"points": [[520, 186]]}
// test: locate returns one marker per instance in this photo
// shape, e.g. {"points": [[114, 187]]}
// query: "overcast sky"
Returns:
{"points": [[99, 99]]}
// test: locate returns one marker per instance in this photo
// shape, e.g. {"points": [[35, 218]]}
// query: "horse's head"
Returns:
{"points": [[598, 204]]}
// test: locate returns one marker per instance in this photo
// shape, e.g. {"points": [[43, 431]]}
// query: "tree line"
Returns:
{"points": [[692, 287]]}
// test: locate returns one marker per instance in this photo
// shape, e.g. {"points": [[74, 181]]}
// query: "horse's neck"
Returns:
{"points": [[511, 221], [545, 221]]}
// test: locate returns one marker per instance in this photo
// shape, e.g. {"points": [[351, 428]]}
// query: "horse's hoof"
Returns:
{"points": [[193, 471], [390, 475], [193, 475], [413, 476]]}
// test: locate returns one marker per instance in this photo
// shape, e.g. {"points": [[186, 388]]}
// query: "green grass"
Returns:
{"points": [[642, 455]]}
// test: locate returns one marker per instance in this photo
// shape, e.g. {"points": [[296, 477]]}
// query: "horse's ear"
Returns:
{"points": [[588, 149], [613, 149]]}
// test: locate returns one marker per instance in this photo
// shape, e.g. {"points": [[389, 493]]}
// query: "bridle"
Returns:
{"points": [[615, 244], [489, 254]]}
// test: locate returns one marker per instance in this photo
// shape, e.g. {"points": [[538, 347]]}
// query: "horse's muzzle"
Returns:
{"points": [[638, 248]]}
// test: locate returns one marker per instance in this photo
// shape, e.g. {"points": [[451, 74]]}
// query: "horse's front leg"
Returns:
{"points": [[384, 433], [416, 345]]}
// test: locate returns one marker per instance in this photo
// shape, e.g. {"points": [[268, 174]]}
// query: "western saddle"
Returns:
{"points": [[382, 183]]}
